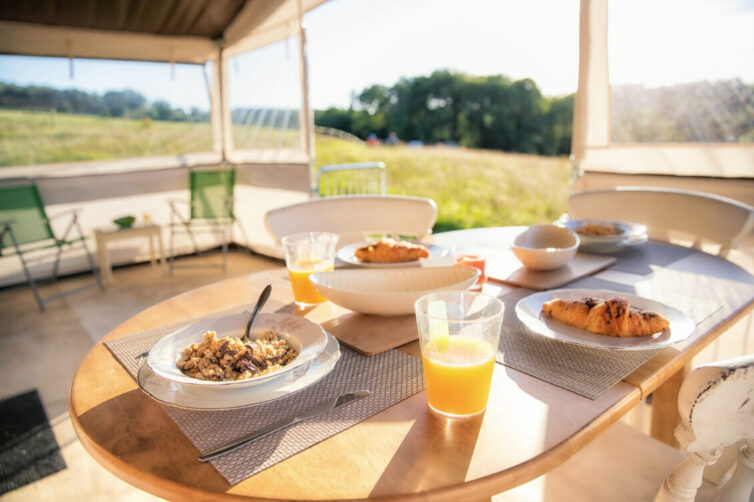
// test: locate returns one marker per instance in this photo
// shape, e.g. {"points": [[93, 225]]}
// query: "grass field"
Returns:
{"points": [[472, 188]]}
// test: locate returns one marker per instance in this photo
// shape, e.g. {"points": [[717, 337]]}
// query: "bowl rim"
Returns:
{"points": [[364, 271], [627, 229], [550, 250]]}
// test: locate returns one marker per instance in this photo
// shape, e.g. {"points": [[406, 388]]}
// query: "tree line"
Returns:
{"points": [[700, 112], [491, 112], [126, 103]]}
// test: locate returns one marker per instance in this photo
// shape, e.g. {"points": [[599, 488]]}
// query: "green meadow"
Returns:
{"points": [[472, 188]]}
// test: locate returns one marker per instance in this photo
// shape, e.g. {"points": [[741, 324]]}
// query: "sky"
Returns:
{"points": [[353, 44]]}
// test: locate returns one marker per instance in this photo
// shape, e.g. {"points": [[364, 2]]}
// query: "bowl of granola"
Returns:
{"points": [[211, 353]]}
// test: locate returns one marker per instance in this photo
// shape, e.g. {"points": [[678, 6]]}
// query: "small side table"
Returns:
{"points": [[151, 231]]}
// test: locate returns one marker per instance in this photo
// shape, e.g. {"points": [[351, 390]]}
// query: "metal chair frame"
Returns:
{"points": [[60, 243], [197, 222]]}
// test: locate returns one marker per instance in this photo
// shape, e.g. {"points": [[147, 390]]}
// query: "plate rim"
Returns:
{"points": [[684, 323], [345, 254], [332, 361]]}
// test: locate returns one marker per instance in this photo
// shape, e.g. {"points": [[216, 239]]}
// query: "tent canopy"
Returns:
{"points": [[178, 31]]}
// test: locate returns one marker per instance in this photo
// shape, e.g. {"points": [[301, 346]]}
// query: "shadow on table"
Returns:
{"points": [[421, 456], [145, 439]]}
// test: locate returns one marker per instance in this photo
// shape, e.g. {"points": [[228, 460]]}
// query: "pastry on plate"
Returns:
{"points": [[613, 317], [391, 251]]}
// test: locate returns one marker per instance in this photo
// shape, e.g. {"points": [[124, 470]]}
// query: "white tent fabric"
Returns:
{"points": [[203, 32], [592, 148]]}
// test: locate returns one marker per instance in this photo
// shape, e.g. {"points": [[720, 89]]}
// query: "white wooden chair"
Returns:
{"points": [[671, 213], [716, 404], [350, 217]]}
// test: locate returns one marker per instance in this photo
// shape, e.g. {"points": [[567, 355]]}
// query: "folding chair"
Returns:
{"points": [[25, 227], [210, 208]]}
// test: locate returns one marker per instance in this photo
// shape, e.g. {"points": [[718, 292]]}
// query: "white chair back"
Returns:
{"points": [[716, 403], [670, 213], [351, 216]]}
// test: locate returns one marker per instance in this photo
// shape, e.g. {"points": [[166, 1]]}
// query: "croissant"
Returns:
{"points": [[613, 317], [391, 251]]}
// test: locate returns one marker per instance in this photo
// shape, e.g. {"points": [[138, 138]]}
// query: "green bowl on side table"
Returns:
{"points": [[124, 221]]}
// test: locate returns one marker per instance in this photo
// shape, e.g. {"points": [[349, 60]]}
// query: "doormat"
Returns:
{"points": [[28, 449]]}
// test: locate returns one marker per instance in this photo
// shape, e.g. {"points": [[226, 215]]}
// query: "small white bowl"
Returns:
{"points": [[545, 247], [391, 291]]}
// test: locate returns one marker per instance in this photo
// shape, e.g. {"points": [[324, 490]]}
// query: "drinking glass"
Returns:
{"points": [[305, 254], [472, 257], [459, 332]]}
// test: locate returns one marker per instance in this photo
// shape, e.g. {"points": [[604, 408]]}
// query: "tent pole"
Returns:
{"points": [[222, 137], [305, 115], [227, 130], [591, 111], [215, 107]]}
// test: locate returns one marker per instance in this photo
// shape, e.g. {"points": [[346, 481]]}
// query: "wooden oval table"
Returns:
{"points": [[402, 453]]}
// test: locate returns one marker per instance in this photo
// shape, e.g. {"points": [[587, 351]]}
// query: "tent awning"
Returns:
{"points": [[179, 31]]}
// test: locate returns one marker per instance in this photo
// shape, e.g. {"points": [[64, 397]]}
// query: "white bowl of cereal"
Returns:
{"points": [[599, 231], [210, 354]]}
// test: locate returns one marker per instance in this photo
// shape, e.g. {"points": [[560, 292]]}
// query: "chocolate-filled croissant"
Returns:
{"points": [[613, 317]]}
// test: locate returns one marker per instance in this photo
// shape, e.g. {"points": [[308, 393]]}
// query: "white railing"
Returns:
{"points": [[365, 178]]}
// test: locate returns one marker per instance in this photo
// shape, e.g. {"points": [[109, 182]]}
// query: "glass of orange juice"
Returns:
{"points": [[472, 257], [459, 332], [306, 253]]}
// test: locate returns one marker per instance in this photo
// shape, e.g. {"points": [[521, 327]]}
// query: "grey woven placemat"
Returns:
{"points": [[641, 259], [586, 371], [390, 377]]}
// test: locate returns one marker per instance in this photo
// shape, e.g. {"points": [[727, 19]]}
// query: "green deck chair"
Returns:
{"points": [[25, 228], [210, 208]]}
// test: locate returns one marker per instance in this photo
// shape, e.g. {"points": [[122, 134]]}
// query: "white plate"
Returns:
{"points": [[529, 311], [206, 398], [389, 291], [632, 234], [304, 336], [346, 254]]}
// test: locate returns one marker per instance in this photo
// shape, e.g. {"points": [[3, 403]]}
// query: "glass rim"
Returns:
{"points": [[496, 301], [293, 237]]}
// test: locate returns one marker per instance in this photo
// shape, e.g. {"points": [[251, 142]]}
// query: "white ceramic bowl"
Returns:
{"points": [[622, 231], [545, 247], [389, 291], [304, 336]]}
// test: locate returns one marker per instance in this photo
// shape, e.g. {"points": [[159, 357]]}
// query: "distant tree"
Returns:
{"points": [[125, 103]]}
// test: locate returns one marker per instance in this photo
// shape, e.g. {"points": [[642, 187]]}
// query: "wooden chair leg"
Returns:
{"points": [[687, 477], [665, 417]]}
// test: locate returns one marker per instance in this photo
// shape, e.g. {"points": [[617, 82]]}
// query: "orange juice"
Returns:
{"points": [[303, 289], [479, 263], [458, 375]]}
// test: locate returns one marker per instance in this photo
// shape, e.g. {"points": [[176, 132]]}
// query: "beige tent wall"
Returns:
{"points": [[105, 193], [725, 169]]}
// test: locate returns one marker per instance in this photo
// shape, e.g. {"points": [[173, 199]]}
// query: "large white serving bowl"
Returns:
{"points": [[305, 337], [545, 247], [389, 291]]}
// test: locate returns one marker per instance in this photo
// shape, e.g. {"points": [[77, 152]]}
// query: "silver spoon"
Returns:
{"points": [[260, 303]]}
